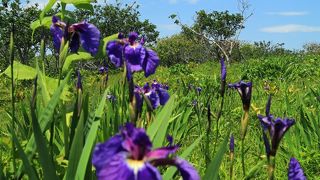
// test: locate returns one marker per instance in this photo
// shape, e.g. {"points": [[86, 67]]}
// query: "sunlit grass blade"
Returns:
{"points": [[86, 153], [29, 169], [49, 170], [212, 171], [46, 117], [76, 149], [158, 129]]}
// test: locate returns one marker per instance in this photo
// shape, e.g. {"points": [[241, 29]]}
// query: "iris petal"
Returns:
{"points": [[114, 50], [117, 168], [134, 56], [75, 43], [150, 63], [103, 152], [57, 34], [149, 172], [89, 36], [187, 171], [161, 153]]}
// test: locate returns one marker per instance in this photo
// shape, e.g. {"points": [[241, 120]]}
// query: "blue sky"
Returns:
{"points": [[293, 22]]}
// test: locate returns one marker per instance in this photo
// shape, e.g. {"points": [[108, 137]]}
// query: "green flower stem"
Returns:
{"points": [[231, 165], [13, 98], [271, 167], [244, 125]]}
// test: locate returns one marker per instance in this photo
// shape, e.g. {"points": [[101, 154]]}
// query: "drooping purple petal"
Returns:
{"points": [[295, 171], [75, 43], [103, 152], [280, 128], [223, 70], [187, 171], [163, 96], [116, 168], [149, 172], [114, 50], [135, 55], [56, 33], [150, 63], [154, 99], [89, 36], [266, 143]]}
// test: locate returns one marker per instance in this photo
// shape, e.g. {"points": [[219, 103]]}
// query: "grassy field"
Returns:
{"points": [[293, 82]]}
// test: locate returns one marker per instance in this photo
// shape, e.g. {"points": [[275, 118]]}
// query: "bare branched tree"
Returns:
{"points": [[219, 30]]}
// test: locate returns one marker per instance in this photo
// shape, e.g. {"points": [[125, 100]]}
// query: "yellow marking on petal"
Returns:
{"points": [[135, 165]]}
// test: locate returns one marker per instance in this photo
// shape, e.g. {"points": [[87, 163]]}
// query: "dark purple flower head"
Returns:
{"points": [[120, 35], [82, 33], [133, 36], [231, 143], [129, 155], [276, 129], [295, 171], [223, 70], [245, 90], [137, 57]]}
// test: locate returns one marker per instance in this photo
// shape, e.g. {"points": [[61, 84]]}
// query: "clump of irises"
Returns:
{"points": [[273, 132], [129, 155], [132, 53]]}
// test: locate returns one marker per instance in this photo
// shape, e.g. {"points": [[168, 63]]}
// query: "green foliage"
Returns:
{"points": [[114, 18], [80, 56], [24, 47], [218, 25], [179, 49]]}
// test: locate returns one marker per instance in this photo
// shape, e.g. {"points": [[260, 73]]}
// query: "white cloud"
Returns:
{"points": [[289, 13], [289, 28]]}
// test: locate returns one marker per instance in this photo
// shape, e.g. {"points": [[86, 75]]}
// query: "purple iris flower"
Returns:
{"points": [[157, 94], [82, 33], [137, 57], [295, 171], [276, 129], [129, 155], [245, 90]]}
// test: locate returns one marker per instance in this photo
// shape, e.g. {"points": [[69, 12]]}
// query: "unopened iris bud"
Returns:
{"points": [[295, 171]]}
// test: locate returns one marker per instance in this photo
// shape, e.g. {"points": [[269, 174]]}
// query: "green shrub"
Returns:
{"points": [[178, 49]]}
